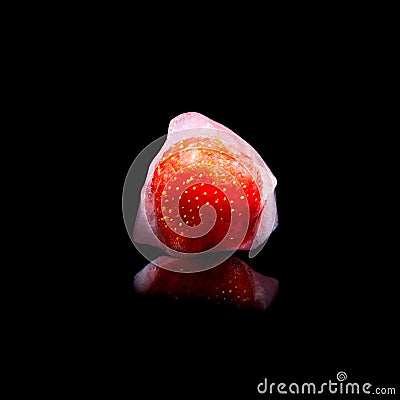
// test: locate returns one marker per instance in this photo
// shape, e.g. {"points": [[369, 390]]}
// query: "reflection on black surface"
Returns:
{"points": [[232, 283]]}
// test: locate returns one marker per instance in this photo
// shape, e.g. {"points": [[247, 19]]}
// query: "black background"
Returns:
{"points": [[319, 122]]}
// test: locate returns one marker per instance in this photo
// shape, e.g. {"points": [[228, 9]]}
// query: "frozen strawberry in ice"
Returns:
{"points": [[207, 194], [231, 283], [207, 190]]}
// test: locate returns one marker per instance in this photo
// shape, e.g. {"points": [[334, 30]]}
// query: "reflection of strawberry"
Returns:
{"points": [[233, 282], [197, 172]]}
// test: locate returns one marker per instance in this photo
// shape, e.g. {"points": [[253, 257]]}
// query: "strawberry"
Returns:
{"points": [[233, 283], [206, 191], [197, 172]]}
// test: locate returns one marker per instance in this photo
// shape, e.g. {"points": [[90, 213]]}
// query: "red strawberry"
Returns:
{"points": [[181, 187], [233, 282], [207, 190]]}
